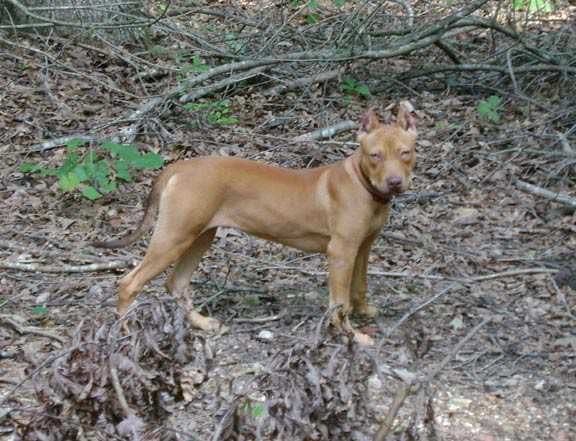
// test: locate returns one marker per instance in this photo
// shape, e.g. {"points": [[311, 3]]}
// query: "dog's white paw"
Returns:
{"points": [[208, 324], [366, 310], [363, 339]]}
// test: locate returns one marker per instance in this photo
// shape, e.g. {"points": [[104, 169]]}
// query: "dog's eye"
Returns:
{"points": [[405, 155], [375, 156]]}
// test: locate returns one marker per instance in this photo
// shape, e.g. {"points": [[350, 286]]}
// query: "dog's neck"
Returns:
{"points": [[377, 195]]}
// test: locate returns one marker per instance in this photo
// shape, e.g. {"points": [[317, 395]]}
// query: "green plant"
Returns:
{"points": [[96, 171], [351, 87], [255, 409], [253, 301], [441, 125], [258, 410], [532, 6], [197, 65], [39, 310], [231, 39], [490, 109], [219, 112]]}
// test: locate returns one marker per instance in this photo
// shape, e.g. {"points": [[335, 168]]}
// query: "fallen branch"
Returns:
{"points": [[441, 68], [409, 388], [59, 142], [416, 309], [513, 273], [327, 132], [539, 191], [34, 267], [10, 322], [227, 69], [386, 425], [301, 82], [223, 84]]}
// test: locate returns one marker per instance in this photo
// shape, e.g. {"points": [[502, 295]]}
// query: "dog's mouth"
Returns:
{"points": [[386, 190]]}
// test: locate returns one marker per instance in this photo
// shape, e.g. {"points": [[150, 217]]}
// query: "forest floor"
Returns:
{"points": [[490, 249]]}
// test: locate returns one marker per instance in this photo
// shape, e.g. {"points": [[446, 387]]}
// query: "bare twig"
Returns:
{"points": [[513, 273], [8, 321], [301, 82], [223, 84], [440, 367], [328, 132], [386, 425], [419, 308], [119, 391], [33, 267], [59, 142], [45, 21], [412, 387], [539, 191], [271, 318]]}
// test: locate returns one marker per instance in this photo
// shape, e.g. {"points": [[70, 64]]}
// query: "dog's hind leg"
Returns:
{"points": [[161, 253], [178, 282]]}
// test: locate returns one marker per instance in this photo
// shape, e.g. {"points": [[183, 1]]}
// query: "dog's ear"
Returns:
{"points": [[405, 118], [369, 122]]}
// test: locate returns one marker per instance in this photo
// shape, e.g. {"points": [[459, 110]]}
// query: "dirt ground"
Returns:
{"points": [[470, 247]]}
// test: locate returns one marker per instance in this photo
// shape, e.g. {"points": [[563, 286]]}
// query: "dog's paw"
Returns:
{"points": [[363, 339], [366, 310], [208, 324]]}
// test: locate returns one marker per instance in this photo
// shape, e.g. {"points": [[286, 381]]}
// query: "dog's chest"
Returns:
{"points": [[379, 218]]}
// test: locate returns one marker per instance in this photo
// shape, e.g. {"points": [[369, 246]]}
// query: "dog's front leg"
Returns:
{"points": [[342, 255], [359, 280]]}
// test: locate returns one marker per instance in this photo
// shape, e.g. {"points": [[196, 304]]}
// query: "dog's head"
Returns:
{"points": [[388, 151]]}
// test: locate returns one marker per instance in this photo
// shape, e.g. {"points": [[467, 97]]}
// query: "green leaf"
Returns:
{"points": [[107, 186], [494, 101], [228, 120], [69, 182], [313, 4], [80, 171], [39, 310], [253, 301], [312, 18], [30, 167], [339, 3], [122, 171], [91, 193], [70, 164], [541, 6], [213, 117], [363, 90], [125, 151], [545, 6], [258, 410], [102, 171], [75, 142], [48, 171], [149, 161], [349, 82], [489, 109], [157, 50], [194, 68], [193, 107], [518, 4], [457, 323]]}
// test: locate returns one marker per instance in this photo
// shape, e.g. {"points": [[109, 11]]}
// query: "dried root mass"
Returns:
{"points": [[118, 385]]}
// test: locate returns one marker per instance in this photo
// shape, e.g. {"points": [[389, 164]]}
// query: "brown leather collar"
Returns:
{"points": [[377, 195]]}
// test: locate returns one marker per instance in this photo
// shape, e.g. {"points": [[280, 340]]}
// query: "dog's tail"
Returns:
{"points": [[150, 209]]}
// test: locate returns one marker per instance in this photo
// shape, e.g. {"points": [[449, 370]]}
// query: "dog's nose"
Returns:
{"points": [[394, 182]]}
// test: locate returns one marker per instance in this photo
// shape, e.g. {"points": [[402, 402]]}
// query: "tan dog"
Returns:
{"points": [[336, 209]]}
